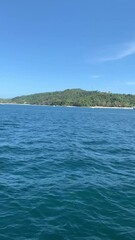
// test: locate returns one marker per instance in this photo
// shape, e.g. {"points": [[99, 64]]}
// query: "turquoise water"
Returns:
{"points": [[67, 173]]}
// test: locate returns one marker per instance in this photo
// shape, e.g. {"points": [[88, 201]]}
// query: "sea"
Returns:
{"points": [[67, 173]]}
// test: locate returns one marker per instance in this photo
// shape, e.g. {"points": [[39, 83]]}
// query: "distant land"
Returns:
{"points": [[76, 97]]}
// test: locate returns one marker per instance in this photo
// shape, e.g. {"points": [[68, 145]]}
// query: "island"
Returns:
{"points": [[76, 97]]}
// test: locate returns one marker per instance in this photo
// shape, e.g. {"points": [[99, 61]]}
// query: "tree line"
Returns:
{"points": [[78, 97]]}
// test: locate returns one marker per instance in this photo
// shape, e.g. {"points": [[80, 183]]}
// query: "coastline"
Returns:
{"points": [[113, 107], [93, 107]]}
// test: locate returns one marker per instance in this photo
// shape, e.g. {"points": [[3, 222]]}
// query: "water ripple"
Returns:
{"points": [[67, 173]]}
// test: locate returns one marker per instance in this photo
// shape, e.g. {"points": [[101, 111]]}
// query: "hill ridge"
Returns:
{"points": [[77, 97]]}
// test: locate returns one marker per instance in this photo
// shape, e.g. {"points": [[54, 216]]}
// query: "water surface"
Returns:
{"points": [[67, 173]]}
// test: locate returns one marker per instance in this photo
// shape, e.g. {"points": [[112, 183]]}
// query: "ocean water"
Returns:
{"points": [[67, 173]]}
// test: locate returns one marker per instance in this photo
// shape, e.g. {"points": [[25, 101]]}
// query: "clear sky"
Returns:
{"points": [[48, 45]]}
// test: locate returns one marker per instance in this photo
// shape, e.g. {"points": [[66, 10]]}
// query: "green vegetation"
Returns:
{"points": [[5, 100], [78, 97]]}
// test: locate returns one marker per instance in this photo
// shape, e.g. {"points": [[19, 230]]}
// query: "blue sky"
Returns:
{"points": [[48, 45]]}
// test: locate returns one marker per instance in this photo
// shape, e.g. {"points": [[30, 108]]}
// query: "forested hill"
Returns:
{"points": [[78, 97]]}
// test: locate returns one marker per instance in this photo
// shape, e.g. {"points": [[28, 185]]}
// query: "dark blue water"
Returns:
{"points": [[67, 173]]}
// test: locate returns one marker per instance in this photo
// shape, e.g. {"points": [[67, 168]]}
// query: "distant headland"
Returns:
{"points": [[76, 97]]}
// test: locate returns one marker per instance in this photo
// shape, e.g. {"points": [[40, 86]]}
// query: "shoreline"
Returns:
{"points": [[93, 107], [113, 107]]}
